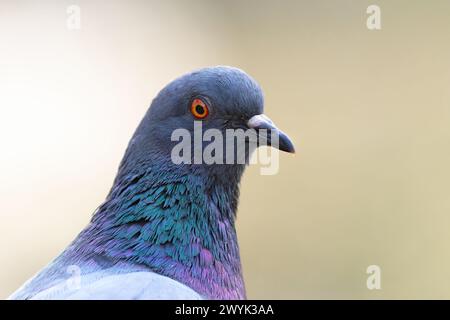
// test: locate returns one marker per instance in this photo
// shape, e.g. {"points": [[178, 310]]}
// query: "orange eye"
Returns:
{"points": [[199, 109]]}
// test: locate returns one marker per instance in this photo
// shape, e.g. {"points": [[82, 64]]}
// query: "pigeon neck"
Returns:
{"points": [[178, 223]]}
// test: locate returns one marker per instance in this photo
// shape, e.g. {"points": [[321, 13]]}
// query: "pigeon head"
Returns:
{"points": [[174, 219], [218, 99]]}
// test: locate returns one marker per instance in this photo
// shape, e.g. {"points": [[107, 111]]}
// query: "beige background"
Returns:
{"points": [[369, 112]]}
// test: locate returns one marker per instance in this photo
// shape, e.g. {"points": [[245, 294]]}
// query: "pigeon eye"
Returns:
{"points": [[199, 109]]}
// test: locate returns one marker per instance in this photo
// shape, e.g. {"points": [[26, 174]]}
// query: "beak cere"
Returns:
{"points": [[268, 132]]}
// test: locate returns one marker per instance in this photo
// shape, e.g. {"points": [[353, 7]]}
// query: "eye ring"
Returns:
{"points": [[199, 108]]}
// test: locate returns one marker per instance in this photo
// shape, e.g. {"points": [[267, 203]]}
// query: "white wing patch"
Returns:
{"points": [[134, 285]]}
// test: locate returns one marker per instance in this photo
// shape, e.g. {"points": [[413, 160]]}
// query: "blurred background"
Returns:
{"points": [[369, 112]]}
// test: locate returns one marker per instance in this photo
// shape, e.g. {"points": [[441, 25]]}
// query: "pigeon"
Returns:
{"points": [[166, 230]]}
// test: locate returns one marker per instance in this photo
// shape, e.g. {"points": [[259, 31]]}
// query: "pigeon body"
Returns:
{"points": [[165, 230]]}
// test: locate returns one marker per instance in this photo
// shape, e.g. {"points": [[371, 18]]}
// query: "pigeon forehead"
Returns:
{"points": [[229, 88]]}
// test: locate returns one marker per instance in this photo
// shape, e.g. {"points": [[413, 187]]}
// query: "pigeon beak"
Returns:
{"points": [[267, 131]]}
